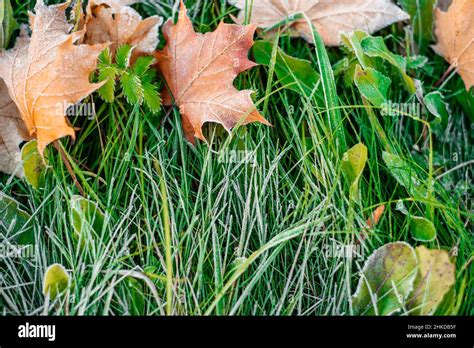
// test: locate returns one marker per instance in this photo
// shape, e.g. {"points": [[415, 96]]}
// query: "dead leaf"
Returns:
{"points": [[12, 133], [115, 4], [200, 69], [47, 73], [376, 216], [112, 21], [455, 33], [330, 17], [436, 275]]}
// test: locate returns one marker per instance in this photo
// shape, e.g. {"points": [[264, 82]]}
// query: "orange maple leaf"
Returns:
{"points": [[200, 69], [48, 73]]}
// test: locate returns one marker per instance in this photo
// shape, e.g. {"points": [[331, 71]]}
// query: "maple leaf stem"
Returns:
{"points": [[445, 75]]}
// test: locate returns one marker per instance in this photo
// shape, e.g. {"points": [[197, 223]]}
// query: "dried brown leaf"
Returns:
{"points": [[113, 22], [455, 33], [47, 73], [200, 69], [330, 17]]}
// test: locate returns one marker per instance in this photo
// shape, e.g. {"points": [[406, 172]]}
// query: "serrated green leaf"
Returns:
{"points": [[123, 55], [372, 85], [107, 91], [386, 280], [132, 88], [152, 97], [435, 278], [15, 222], [353, 164], [56, 281], [295, 74], [142, 65], [105, 58], [375, 47], [422, 230], [34, 166]]}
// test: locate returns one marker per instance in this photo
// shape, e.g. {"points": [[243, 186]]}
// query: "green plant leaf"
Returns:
{"points": [[422, 230], [87, 219], [375, 47], [7, 23], [137, 300], [422, 17], [372, 85], [15, 222], [132, 88], [295, 74], [352, 43], [142, 65], [416, 62], [56, 281], [436, 105], [404, 174], [123, 56], [353, 164], [34, 166], [105, 58], [107, 91], [386, 280], [435, 278]]}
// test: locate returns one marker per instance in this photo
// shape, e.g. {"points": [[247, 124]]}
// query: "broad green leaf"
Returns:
{"points": [[15, 222], [56, 280], [352, 43], [353, 164], [403, 173], [416, 62], [422, 230], [7, 23], [87, 219], [386, 280], [435, 278], [123, 55], [372, 85], [375, 47], [34, 166], [136, 300], [422, 17], [436, 105], [293, 73]]}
